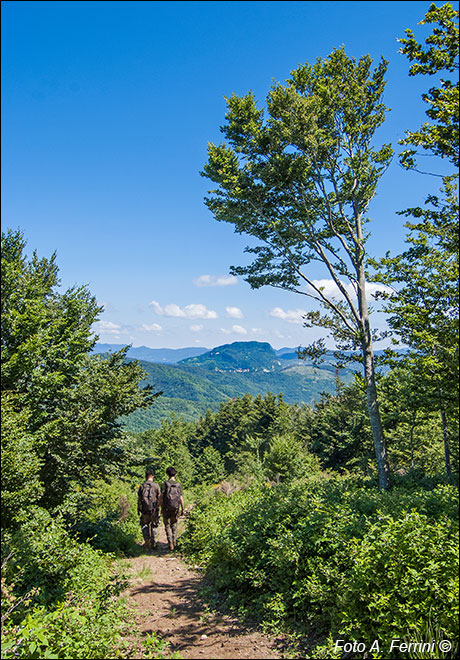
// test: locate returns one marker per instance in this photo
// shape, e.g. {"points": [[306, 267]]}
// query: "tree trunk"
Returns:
{"points": [[412, 428], [374, 418], [445, 433], [371, 390]]}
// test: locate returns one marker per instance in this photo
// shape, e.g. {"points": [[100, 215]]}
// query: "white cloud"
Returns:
{"points": [[330, 288], [108, 328], [239, 330], [235, 329], [196, 328], [215, 280], [257, 331], [194, 311], [234, 313], [290, 315], [153, 327]]}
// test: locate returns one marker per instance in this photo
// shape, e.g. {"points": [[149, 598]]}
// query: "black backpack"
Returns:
{"points": [[149, 497], [171, 496]]}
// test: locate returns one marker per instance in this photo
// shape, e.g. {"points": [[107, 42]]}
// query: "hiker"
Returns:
{"points": [[148, 501], [171, 502]]}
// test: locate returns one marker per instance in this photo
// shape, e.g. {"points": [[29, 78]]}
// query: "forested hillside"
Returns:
{"points": [[197, 384], [321, 510]]}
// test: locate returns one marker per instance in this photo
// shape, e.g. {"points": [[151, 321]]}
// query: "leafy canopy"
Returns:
{"points": [[438, 55], [62, 402], [301, 180]]}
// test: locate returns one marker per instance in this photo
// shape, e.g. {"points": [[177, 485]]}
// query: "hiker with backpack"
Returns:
{"points": [[171, 502], [148, 507]]}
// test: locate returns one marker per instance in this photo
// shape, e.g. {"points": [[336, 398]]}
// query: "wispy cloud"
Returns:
{"points": [[234, 313], [235, 329], [331, 289], [290, 315], [215, 280], [196, 328], [108, 328], [153, 327], [194, 311]]}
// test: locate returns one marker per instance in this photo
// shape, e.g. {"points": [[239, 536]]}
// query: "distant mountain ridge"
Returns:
{"points": [[196, 379], [159, 355], [175, 355], [190, 390]]}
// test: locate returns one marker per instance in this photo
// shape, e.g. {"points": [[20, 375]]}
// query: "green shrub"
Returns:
{"points": [[404, 573], [287, 458], [106, 515], [333, 553], [209, 465], [45, 558], [60, 596], [78, 627]]}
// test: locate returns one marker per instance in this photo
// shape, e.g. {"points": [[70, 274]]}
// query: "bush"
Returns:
{"points": [[404, 574], [78, 627], [60, 596], [105, 514], [209, 466], [332, 553], [287, 458], [45, 558]]}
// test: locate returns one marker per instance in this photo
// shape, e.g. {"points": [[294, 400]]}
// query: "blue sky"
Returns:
{"points": [[107, 111]]}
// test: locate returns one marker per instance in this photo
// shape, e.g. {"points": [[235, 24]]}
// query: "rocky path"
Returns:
{"points": [[165, 595]]}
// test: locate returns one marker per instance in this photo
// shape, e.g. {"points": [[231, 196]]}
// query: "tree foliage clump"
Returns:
{"points": [[423, 308], [301, 182], [60, 401], [439, 55]]}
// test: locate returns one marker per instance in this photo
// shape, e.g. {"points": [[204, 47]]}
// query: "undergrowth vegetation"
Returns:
{"points": [[335, 555]]}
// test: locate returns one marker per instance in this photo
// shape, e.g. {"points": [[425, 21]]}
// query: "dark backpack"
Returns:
{"points": [[171, 496], [149, 497]]}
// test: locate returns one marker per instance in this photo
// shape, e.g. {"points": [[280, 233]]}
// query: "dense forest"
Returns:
{"points": [[334, 520]]}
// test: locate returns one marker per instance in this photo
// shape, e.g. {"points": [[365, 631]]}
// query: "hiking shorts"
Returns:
{"points": [[149, 522]]}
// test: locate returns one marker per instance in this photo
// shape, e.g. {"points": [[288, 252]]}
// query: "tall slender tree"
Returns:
{"points": [[423, 310], [301, 181]]}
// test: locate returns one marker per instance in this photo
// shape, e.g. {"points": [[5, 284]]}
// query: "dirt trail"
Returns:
{"points": [[164, 591]]}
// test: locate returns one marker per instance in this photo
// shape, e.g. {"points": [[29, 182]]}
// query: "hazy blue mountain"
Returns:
{"points": [[286, 349], [161, 355]]}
